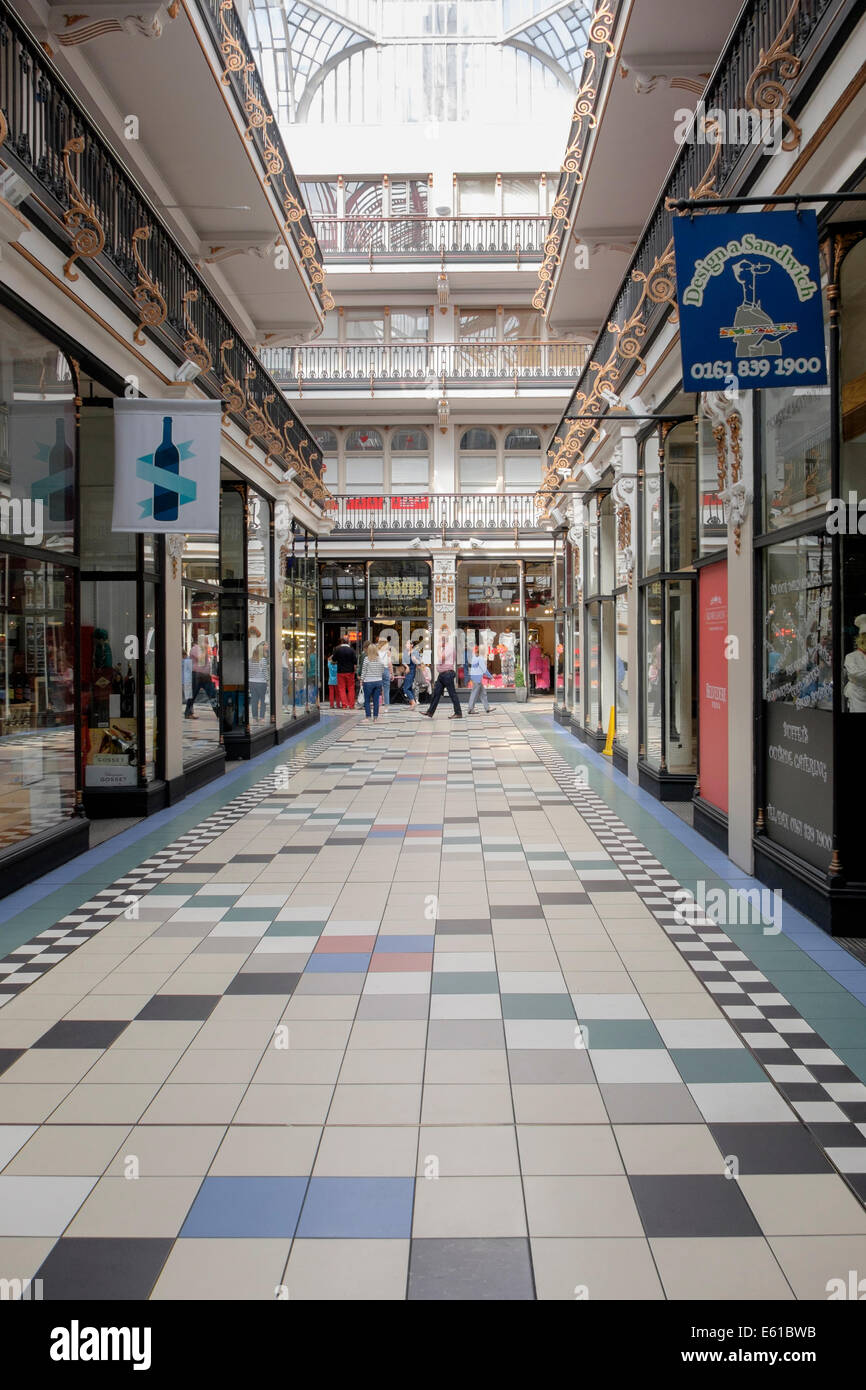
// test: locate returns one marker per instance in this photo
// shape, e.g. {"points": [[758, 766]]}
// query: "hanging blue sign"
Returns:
{"points": [[749, 293]]}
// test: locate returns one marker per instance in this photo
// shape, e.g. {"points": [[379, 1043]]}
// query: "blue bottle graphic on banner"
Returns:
{"points": [[749, 293], [167, 458]]}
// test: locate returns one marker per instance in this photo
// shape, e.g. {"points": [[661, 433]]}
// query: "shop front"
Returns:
{"points": [[299, 674], [810, 564], [41, 821]]}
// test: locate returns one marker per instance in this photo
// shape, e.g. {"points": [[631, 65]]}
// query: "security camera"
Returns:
{"points": [[187, 371], [416, 544], [475, 543]]}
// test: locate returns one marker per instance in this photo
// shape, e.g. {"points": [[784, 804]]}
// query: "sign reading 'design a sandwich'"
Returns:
{"points": [[167, 466], [749, 292]]}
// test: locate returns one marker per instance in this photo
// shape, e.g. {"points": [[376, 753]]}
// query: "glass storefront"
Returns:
{"points": [[299, 647], [246, 612], [200, 657], [489, 617]]}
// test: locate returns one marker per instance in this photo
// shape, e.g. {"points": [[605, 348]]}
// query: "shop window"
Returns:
{"points": [[712, 528], [476, 195], [364, 475], [38, 643], [679, 678], [326, 440], [411, 440], [363, 326], [478, 325], [101, 548], [853, 370], [680, 496], [522, 474], [409, 326], [621, 675], [521, 439], [652, 686], [652, 524], [488, 615], [798, 695], [410, 476], [113, 743], [796, 442], [520, 195]]}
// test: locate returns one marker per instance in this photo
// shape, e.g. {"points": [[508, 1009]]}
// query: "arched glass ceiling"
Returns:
{"points": [[299, 42]]}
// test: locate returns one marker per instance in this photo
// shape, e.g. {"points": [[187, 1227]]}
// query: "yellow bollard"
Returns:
{"points": [[607, 751]]}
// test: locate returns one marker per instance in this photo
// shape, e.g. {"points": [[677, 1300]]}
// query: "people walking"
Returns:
{"points": [[346, 662], [446, 676], [332, 683], [372, 672], [412, 662], [478, 669], [386, 658]]}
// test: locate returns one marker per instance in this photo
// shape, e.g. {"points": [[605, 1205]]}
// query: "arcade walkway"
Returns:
{"points": [[406, 1011]]}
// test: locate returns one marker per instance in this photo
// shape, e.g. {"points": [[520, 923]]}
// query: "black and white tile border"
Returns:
{"points": [[33, 959], [827, 1097]]}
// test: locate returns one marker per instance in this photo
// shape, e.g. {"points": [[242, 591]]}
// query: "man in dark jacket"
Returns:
{"points": [[346, 660]]}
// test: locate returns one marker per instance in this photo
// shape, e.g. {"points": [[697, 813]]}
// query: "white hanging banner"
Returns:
{"points": [[167, 466]]}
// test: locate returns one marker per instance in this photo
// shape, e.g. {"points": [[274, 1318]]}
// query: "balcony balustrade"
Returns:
{"points": [[432, 238], [434, 514], [429, 367]]}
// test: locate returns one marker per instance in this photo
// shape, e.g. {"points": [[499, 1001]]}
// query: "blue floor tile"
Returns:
{"points": [[371, 1208], [239, 1207]]}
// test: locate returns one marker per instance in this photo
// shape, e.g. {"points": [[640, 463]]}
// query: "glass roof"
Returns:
{"points": [[298, 41]]}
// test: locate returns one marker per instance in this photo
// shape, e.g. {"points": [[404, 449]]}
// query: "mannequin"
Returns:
{"points": [[855, 670]]}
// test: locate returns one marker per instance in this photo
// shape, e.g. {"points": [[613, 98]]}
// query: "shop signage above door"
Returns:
{"points": [[749, 294], [166, 466]]}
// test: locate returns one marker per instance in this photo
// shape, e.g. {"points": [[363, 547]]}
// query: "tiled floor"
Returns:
{"points": [[413, 1017]]}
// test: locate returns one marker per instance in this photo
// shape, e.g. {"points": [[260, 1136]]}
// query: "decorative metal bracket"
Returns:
{"points": [[81, 222], [152, 308]]}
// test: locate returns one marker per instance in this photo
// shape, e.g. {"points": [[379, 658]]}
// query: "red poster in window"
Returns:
{"points": [[410, 504], [364, 504], [713, 677]]}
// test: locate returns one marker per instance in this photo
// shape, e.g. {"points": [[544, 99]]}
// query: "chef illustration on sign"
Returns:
{"points": [[855, 670], [754, 330]]}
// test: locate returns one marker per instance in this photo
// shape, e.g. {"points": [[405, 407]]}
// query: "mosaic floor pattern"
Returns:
{"points": [[415, 1016]]}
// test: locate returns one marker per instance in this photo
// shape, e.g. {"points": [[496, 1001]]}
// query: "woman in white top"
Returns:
{"points": [[386, 658], [371, 680]]}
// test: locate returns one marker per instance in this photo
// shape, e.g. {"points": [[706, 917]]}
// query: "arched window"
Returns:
{"points": [[326, 440], [478, 438], [365, 462], [410, 461], [522, 438], [368, 441], [409, 440]]}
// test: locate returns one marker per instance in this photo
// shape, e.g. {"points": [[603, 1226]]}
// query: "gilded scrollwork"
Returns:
{"points": [[765, 90], [601, 25], [79, 219], [194, 344], [234, 399], [231, 49], [152, 308]]}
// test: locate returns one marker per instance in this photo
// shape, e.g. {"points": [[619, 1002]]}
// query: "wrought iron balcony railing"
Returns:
{"points": [[467, 238], [432, 366], [758, 72], [85, 200], [241, 75], [428, 513]]}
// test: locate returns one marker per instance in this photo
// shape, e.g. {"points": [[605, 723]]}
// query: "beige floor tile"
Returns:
{"points": [[815, 1265], [22, 1256], [105, 1103], [50, 1064], [223, 1270], [266, 1151], [342, 1270], [134, 1064], [579, 1104], [581, 1206], [615, 1269], [803, 1204], [467, 1150], [78, 1150], [558, 1150], [724, 1268], [167, 1151], [363, 1065], [274, 1104], [203, 1104], [361, 1151], [135, 1207], [484, 1066], [373, 1104], [668, 1149], [207, 1065], [463, 1207], [299, 1066], [467, 1105]]}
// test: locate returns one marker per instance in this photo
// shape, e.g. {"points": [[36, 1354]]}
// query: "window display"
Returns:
{"points": [[37, 696], [111, 743]]}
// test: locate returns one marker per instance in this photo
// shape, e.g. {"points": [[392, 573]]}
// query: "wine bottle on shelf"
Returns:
{"points": [[61, 502], [167, 458]]}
